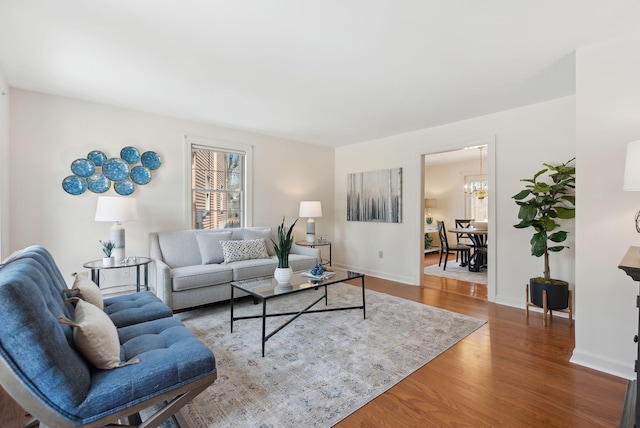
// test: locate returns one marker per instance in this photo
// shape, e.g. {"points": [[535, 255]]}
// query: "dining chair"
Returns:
{"points": [[463, 238], [464, 251]]}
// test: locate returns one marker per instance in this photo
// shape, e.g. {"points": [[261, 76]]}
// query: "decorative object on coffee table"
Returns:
{"points": [[548, 200], [283, 272]]}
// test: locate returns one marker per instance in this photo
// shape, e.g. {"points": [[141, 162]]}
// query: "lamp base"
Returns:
{"points": [[116, 234], [311, 230]]}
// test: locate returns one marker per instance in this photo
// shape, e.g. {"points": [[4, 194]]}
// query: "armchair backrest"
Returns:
{"points": [[38, 359]]}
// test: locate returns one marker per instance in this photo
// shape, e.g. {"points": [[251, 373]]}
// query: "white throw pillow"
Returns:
{"points": [[88, 291], [95, 336], [210, 248], [262, 233], [237, 250]]}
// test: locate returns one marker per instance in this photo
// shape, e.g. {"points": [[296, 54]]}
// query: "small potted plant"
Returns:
{"points": [[107, 249], [547, 198], [283, 272]]}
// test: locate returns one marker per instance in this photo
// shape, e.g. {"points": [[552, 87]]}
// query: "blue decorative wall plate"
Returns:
{"points": [[74, 185], [98, 183], [115, 169], [97, 172], [124, 187], [83, 167], [130, 154], [140, 175], [97, 157], [151, 160]]}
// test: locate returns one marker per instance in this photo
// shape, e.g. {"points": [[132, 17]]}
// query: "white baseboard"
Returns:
{"points": [[622, 369], [381, 275]]}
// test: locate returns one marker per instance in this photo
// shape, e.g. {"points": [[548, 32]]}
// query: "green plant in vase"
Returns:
{"points": [[107, 247], [283, 272]]}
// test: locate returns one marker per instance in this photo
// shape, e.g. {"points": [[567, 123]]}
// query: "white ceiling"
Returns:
{"points": [[330, 72]]}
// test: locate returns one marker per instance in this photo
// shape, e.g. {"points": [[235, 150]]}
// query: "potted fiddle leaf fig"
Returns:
{"points": [[283, 272], [547, 199]]}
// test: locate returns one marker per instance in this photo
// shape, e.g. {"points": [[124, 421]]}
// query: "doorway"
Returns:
{"points": [[457, 184]]}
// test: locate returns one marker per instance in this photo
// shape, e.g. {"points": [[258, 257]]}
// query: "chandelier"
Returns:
{"points": [[477, 189]]}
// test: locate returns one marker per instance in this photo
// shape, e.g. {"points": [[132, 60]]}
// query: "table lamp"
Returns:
{"points": [[116, 209], [310, 209], [428, 204]]}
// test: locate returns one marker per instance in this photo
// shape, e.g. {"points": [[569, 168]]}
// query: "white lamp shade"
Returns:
{"points": [[113, 208], [310, 209]]}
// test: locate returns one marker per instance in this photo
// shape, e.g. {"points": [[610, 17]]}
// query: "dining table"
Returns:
{"points": [[478, 239]]}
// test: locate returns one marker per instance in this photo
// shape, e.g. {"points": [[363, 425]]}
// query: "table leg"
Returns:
{"points": [[146, 277], [364, 305], [232, 309], [137, 278], [264, 323], [95, 276]]}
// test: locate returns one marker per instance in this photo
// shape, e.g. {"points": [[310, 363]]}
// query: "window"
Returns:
{"points": [[218, 187]]}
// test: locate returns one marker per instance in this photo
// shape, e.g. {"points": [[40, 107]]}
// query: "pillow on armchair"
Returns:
{"points": [[244, 250]]}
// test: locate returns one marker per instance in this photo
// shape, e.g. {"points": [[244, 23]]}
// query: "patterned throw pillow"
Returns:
{"points": [[236, 250], [258, 233]]}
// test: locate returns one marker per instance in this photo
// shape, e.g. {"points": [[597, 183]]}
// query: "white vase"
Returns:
{"points": [[283, 275], [107, 261]]}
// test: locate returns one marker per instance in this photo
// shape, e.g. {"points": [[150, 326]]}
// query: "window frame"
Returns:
{"points": [[204, 143]]}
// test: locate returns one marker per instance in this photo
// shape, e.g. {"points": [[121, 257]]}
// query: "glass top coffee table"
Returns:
{"points": [[267, 288]]}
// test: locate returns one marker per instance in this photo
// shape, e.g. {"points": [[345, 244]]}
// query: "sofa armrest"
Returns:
{"points": [[306, 251], [160, 273]]}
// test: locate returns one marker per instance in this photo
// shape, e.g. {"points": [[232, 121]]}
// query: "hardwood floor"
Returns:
{"points": [[511, 372]]}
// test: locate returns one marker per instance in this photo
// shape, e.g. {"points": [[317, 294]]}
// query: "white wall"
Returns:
{"points": [[49, 132], [608, 117], [4, 167], [525, 137], [444, 182]]}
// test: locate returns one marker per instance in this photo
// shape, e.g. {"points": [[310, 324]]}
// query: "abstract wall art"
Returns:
{"points": [[375, 196]]}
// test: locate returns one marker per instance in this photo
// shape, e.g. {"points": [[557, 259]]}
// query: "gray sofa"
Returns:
{"points": [[189, 270]]}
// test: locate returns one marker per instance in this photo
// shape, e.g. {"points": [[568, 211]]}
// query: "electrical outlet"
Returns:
{"points": [[126, 273], [380, 254]]}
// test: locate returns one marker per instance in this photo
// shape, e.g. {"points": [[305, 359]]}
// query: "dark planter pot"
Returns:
{"points": [[557, 293]]}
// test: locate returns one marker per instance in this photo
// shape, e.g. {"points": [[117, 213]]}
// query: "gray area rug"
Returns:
{"points": [[323, 366], [454, 271]]}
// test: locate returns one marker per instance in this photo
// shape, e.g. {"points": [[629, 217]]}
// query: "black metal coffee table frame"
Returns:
{"points": [[266, 289]]}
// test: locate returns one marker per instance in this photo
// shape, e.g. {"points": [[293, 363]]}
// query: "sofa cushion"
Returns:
{"points": [[189, 277], [135, 308], [169, 355], [249, 233], [255, 268], [88, 290], [210, 248], [299, 262], [244, 250], [95, 336]]}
